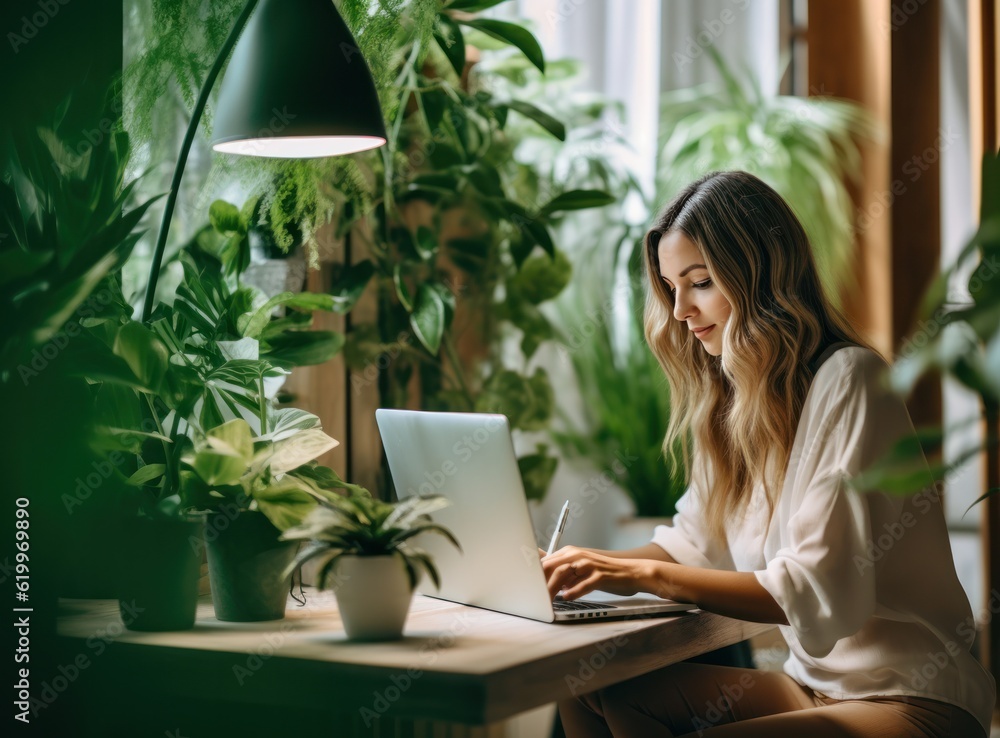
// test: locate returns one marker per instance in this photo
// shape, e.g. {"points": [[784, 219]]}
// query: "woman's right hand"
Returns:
{"points": [[577, 571]]}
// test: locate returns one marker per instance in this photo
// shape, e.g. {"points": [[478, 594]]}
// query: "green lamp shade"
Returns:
{"points": [[297, 87]]}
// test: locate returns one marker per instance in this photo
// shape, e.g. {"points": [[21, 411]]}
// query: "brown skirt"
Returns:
{"points": [[725, 702]]}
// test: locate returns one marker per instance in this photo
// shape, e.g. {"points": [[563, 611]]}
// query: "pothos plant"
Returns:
{"points": [[191, 392], [959, 337], [458, 261]]}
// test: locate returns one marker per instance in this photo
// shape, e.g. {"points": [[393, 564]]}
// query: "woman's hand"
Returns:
{"points": [[577, 571]]}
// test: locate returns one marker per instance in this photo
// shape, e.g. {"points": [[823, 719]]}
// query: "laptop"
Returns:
{"points": [[469, 458]]}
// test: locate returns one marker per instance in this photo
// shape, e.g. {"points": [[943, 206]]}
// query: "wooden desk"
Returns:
{"points": [[457, 664]]}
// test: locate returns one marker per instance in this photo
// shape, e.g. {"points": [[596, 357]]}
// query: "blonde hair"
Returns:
{"points": [[741, 409]]}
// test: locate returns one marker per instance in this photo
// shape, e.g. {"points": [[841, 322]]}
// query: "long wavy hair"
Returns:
{"points": [[741, 409]]}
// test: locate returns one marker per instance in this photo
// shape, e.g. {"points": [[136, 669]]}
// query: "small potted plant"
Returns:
{"points": [[368, 558], [254, 488]]}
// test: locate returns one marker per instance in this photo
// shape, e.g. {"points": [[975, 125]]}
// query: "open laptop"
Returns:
{"points": [[469, 458]]}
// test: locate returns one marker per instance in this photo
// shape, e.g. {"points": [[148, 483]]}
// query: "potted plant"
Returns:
{"points": [[236, 455], [71, 225], [271, 240], [433, 223], [253, 490], [367, 556], [165, 387]]}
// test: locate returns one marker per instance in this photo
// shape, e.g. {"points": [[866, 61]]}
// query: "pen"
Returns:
{"points": [[560, 527]]}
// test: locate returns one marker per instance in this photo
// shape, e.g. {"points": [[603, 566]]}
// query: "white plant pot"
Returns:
{"points": [[373, 596]]}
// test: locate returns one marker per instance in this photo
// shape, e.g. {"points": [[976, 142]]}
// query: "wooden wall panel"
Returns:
{"points": [[344, 402], [849, 58], [984, 73], [917, 143], [885, 55]]}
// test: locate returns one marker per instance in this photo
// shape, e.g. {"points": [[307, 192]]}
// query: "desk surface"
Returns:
{"points": [[454, 663]]}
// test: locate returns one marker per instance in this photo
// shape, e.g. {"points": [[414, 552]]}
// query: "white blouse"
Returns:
{"points": [[866, 581]]}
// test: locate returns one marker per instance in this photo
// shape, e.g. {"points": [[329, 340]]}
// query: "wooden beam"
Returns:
{"points": [[885, 56], [984, 99], [917, 143], [849, 58]]}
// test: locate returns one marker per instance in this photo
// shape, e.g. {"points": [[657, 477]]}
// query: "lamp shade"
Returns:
{"points": [[297, 87]]}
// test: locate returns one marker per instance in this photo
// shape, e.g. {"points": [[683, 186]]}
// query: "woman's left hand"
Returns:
{"points": [[577, 571]]}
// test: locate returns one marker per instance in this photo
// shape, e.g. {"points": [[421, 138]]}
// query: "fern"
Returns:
{"points": [[165, 70]]}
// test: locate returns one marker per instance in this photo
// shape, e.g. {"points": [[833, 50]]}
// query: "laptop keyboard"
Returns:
{"points": [[565, 605]]}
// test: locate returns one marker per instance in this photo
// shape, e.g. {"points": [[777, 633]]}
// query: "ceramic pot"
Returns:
{"points": [[246, 562], [373, 595], [158, 587]]}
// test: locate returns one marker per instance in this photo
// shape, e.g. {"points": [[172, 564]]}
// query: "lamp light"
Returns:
{"points": [[297, 87]]}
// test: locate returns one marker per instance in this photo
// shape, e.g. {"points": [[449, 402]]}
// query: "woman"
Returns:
{"points": [[784, 404]]}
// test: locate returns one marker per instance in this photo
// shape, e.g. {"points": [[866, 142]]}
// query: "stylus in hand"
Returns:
{"points": [[560, 527]]}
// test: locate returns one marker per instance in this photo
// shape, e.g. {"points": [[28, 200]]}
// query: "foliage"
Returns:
{"points": [[448, 240], [959, 339], [356, 524], [276, 474], [625, 397], [963, 339], [66, 222], [451, 241], [166, 387], [805, 148]]}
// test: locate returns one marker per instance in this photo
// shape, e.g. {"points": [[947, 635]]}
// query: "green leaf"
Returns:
{"points": [[402, 291], [144, 352], [449, 37], [347, 288], [486, 179], [577, 200], [434, 103], [285, 503], [426, 243], [218, 468], [147, 474], [287, 421], [542, 402], [15, 264], [428, 318], [472, 6], [469, 254], [546, 121], [542, 278], [232, 437], [535, 327], [310, 301], [512, 34], [537, 471], [303, 348], [225, 218], [299, 449]]}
